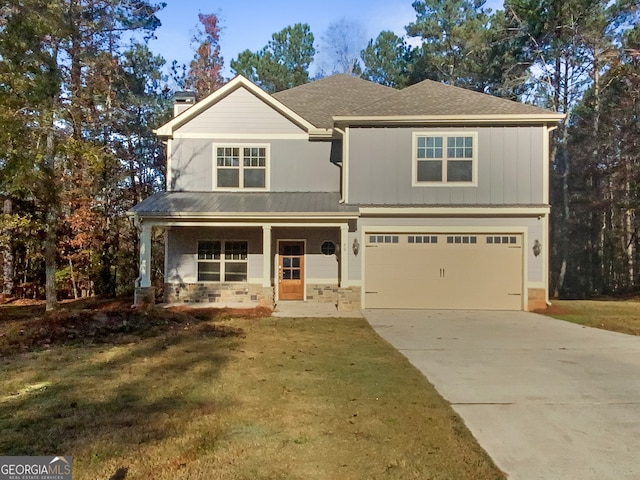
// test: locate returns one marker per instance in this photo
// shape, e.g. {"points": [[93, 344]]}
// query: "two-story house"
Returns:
{"points": [[353, 193]]}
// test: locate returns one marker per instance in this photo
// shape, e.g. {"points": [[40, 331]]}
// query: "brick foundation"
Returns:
{"points": [[537, 299], [349, 299], [218, 293]]}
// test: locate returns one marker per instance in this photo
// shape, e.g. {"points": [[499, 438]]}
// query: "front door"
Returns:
{"points": [[291, 271]]}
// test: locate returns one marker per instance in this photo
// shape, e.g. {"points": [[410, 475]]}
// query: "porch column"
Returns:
{"points": [[344, 256], [144, 295], [145, 256], [266, 255]]}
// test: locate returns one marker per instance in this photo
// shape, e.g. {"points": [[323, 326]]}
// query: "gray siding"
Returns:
{"points": [[510, 168], [295, 165], [182, 243], [182, 246], [240, 112]]}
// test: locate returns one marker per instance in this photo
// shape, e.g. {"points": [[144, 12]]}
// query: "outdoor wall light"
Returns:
{"points": [[356, 246], [537, 248]]}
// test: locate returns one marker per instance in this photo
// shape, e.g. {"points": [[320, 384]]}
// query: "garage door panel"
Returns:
{"points": [[451, 271]]}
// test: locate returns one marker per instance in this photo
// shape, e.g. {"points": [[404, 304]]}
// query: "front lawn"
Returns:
{"points": [[243, 398], [615, 315]]}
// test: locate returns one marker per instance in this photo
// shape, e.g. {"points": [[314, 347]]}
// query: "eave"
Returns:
{"points": [[485, 119]]}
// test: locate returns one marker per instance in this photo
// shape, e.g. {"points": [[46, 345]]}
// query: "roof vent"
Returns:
{"points": [[182, 101]]}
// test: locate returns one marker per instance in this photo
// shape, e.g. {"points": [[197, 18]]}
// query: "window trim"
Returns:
{"points": [[222, 260], [241, 167], [444, 135]]}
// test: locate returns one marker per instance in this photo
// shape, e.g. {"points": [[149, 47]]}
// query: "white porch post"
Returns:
{"points": [[266, 255], [145, 256], [344, 255]]}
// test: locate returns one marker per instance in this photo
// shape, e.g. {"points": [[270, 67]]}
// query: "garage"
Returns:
{"points": [[443, 271]]}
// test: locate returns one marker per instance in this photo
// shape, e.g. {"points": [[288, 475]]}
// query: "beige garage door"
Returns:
{"points": [[462, 271]]}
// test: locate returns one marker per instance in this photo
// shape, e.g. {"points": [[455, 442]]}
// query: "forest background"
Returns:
{"points": [[81, 92]]}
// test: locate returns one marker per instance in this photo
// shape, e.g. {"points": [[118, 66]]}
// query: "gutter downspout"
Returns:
{"points": [[549, 130], [343, 186]]}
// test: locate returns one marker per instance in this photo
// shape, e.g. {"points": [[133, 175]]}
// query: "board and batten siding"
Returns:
{"points": [[295, 165], [240, 112], [181, 264], [510, 168], [532, 226]]}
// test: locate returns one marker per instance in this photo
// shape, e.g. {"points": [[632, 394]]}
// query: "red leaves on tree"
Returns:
{"points": [[205, 70]]}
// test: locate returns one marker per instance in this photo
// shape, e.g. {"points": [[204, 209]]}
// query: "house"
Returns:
{"points": [[356, 194]]}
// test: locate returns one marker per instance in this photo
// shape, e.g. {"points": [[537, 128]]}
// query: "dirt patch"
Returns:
{"points": [[213, 313], [97, 321], [554, 310]]}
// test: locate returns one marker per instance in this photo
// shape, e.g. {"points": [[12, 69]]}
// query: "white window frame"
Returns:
{"points": [[445, 135], [222, 261], [241, 167]]}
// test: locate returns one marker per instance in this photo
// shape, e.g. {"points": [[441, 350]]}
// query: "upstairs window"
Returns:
{"points": [[241, 167], [444, 158]]}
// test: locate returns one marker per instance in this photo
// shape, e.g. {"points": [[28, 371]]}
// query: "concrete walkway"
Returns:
{"points": [[546, 399]]}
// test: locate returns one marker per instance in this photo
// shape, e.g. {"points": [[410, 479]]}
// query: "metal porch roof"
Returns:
{"points": [[242, 204]]}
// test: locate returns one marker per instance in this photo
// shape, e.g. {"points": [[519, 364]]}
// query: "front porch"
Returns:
{"points": [[253, 263]]}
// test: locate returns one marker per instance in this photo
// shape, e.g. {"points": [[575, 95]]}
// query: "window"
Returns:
{"points": [[422, 239], [447, 158], [462, 239], [328, 248], [383, 239], [241, 166], [502, 240], [222, 261]]}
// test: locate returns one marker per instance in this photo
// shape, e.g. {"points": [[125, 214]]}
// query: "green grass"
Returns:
{"points": [[234, 399], [616, 315]]}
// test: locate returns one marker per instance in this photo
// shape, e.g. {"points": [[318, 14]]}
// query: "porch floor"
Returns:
{"points": [[307, 309]]}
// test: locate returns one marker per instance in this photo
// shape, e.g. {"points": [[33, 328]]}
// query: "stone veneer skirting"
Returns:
{"points": [[349, 299], [322, 293], [218, 293], [537, 299], [346, 299]]}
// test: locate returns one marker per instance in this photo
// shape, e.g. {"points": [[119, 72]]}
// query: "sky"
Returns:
{"points": [[249, 24]]}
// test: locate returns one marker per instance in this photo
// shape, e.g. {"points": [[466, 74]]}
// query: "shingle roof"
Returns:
{"points": [[213, 204], [434, 98], [340, 94], [345, 95]]}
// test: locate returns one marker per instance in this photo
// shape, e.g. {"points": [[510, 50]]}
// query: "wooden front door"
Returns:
{"points": [[291, 271]]}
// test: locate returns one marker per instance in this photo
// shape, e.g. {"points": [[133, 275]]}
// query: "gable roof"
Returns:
{"points": [[340, 94], [238, 82]]}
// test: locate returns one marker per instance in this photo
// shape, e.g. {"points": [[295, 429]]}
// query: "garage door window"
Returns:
{"points": [[502, 240], [422, 239], [462, 239], [384, 239]]}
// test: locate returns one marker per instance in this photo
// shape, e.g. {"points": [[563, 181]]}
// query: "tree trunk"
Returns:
{"points": [[51, 221], [8, 265], [73, 281]]}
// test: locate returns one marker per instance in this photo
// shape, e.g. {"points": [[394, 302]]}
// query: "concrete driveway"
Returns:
{"points": [[545, 398]]}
